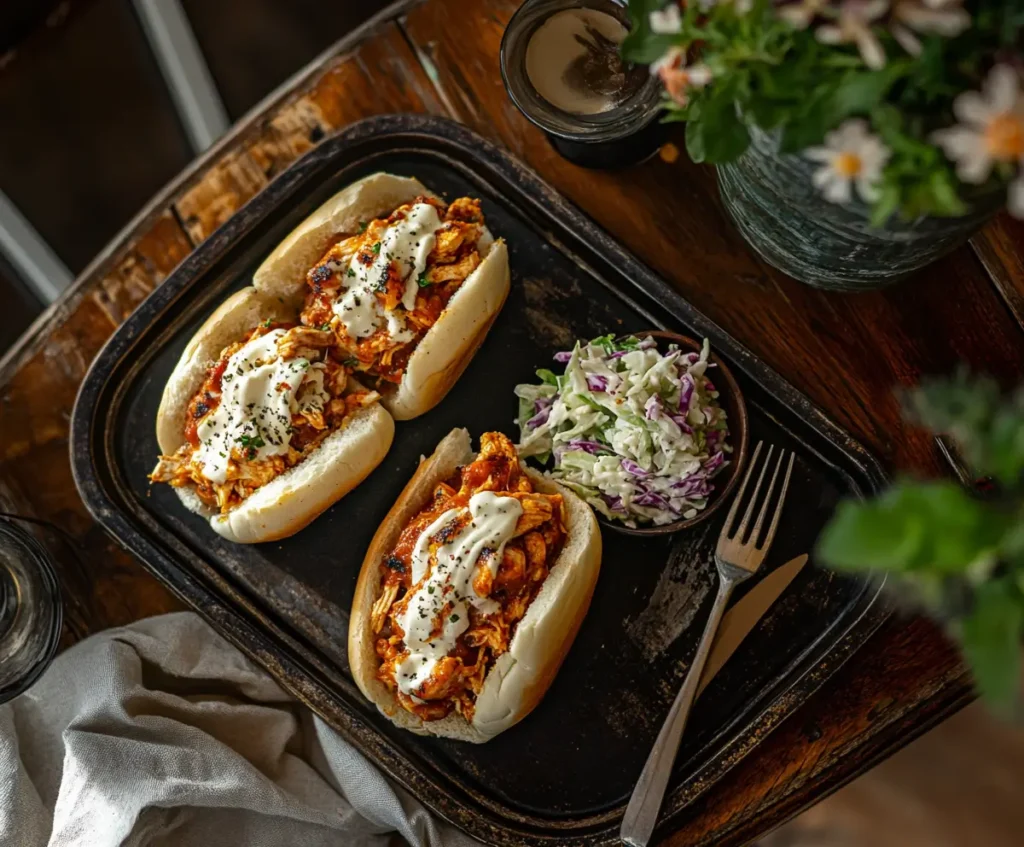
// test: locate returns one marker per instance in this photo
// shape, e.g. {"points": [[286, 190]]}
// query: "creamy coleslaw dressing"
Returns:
{"points": [[259, 394], [408, 243], [448, 587]]}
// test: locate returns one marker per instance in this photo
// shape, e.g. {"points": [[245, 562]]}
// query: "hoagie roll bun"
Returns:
{"points": [[261, 429], [409, 283], [467, 649]]}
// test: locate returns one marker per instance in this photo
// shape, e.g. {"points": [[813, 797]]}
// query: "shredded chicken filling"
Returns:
{"points": [[307, 428], [526, 561], [454, 257]]}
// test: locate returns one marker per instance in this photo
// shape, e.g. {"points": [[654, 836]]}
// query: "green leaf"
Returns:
{"points": [[643, 50], [766, 113], [723, 134], [674, 114], [641, 45], [810, 125], [1004, 455], [991, 639], [888, 202], [861, 91], [945, 199], [1013, 547], [915, 525], [695, 140], [868, 536], [887, 121]]}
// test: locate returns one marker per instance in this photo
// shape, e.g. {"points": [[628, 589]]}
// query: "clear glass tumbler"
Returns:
{"points": [[30, 608]]}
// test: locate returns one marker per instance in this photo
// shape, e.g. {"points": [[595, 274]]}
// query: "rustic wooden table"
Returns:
{"points": [[845, 352]]}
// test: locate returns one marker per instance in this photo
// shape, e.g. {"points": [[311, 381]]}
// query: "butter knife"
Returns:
{"points": [[744, 616]]}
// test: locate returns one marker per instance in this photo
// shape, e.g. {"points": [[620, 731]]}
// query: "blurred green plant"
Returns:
{"points": [[957, 554]]}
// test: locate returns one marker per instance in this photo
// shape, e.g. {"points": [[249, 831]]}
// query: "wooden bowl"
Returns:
{"points": [[731, 399]]}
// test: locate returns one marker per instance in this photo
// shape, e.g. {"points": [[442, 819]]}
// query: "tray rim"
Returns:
{"points": [[284, 655]]}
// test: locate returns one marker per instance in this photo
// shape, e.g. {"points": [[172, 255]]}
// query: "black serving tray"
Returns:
{"points": [[565, 773]]}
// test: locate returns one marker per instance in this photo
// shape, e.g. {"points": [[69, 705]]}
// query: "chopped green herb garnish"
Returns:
{"points": [[423, 282], [267, 323], [325, 327], [362, 226], [351, 272], [376, 249], [251, 441]]}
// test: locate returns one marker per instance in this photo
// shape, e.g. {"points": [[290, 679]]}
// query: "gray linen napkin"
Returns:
{"points": [[162, 733]]}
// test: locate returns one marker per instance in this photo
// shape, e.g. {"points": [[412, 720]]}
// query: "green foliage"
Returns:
{"points": [[989, 427], [778, 78], [915, 526], [720, 136], [991, 640], [957, 554]]}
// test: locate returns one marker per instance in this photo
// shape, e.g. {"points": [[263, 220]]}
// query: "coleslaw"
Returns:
{"points": [[638, 433]]}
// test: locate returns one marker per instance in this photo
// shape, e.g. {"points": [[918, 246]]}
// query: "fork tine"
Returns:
{"points": [[778, 508], [741, 531], [739, 495], [756, 531]]}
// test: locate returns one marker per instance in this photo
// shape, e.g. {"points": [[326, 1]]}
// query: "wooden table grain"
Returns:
{"points": [[846, 352]]}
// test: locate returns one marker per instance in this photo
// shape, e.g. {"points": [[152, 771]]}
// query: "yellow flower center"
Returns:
{"points": [[1004, 137], [847, 164]]}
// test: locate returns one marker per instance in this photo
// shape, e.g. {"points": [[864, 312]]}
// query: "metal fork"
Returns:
{"points": [[737, 557]]}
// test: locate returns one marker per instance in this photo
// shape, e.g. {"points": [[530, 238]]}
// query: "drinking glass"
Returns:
{"points": [[30, 608]]}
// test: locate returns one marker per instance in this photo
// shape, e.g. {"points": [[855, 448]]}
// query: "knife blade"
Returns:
{"points": [[744, 616]]}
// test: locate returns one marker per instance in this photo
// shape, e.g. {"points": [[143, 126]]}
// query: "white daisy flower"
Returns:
{"points": [[800, 14], [930, 17], [853, 26], [851, 157], [679, 78], [667, 21], [991, 127]]}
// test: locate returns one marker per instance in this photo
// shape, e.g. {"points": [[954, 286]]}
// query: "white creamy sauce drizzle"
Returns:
{"points": [[407, 243], [449, 580], [259, 394]]}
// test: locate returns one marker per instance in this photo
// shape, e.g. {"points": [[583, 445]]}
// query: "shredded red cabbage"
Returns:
{"points": [[650, 498], [543, 405], [686, 388], [632, 467], [592, 447], [715, 461]]}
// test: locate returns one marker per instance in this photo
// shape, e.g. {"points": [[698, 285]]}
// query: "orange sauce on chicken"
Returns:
{"points": [[526, 561]]}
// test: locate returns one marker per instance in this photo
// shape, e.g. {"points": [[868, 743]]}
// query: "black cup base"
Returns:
{"points": [[615, 154]]}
